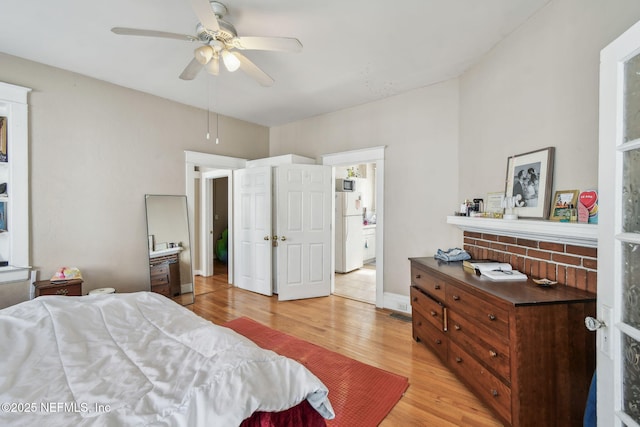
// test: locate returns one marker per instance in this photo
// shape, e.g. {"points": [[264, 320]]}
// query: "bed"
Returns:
{"points": [[140, 359]]}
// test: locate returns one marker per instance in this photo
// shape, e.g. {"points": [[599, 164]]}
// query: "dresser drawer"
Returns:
{"points": [[160, 274], [488, 348], [160, 280], [68, 290], [487, 386], [429, 308], [72, 287], [426, 282], [161, 289], [482, 312], [160, 269], [434, 338]]}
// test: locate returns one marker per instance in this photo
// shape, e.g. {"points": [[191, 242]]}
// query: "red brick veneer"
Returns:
{"points": [[570, 265]]}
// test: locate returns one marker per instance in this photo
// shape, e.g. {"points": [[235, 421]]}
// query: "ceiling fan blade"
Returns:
{"points": [[152, 33], [252, 70], [281, 44], [191, 70], [205, 14]]}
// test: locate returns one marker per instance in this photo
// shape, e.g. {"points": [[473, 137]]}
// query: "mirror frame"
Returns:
{"points": [[168, 251]]}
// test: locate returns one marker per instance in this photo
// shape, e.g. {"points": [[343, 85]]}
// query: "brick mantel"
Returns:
{"points": [[564, 252]]}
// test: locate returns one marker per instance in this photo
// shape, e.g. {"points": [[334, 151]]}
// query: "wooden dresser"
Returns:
{"points": [[165, 275], [67, 288], [521, 348]]}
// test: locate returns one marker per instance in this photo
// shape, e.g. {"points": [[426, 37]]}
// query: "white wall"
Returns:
{"points": [[420, 131], [539, 88], [450, 142], [95, 150]]}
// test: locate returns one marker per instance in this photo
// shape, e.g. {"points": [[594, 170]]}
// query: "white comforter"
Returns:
{"points": [[137, 359]]}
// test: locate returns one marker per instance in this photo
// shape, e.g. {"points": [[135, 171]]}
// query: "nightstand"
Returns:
{"points": [[68, 287]]}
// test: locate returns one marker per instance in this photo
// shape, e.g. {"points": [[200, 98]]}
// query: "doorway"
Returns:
{"points": [[359, 283], [220, 230], [223, 166], [373, 261]]}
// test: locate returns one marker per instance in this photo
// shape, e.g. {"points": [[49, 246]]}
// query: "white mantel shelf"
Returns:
{"points": [[548, 231]]}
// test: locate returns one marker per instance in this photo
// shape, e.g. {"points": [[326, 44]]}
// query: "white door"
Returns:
{"points": [[252, 219], [303, 226], [618, 336]]}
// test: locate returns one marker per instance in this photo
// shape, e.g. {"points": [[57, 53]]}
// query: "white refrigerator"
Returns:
{"points": [[349, 241]]}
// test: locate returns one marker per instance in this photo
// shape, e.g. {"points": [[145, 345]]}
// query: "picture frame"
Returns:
{"points": [[493, 206], [529, 178], [562, 199]]}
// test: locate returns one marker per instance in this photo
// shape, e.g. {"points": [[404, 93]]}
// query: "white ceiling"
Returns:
{"points": [[355, 51]]}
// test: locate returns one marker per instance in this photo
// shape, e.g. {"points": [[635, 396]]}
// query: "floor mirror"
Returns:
{"points": [[170, 268]]}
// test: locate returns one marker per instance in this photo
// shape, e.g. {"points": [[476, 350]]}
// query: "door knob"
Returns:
{"points": [[266, 237], [593, 324], [283, 238]]}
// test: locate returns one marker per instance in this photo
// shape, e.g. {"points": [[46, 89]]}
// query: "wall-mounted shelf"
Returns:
{"points": [[549, 231]]}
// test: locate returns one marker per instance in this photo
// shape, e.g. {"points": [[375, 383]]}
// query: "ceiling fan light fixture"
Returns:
{"points": [[231, 62], [203, 54], [213, 66]]}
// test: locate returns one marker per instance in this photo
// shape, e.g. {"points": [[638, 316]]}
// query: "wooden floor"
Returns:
{"points": [[358, 330], [359, 284]]}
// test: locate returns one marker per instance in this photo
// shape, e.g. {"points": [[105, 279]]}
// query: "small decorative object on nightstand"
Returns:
{"points": [[102, 291], [67, 288]]}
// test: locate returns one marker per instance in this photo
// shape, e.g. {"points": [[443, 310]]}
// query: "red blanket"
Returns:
{"points": [[302, 414]]}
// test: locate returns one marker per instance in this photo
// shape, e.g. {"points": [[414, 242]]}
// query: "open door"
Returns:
{"points": [[303, 224], [618, 322], [252, 219]]}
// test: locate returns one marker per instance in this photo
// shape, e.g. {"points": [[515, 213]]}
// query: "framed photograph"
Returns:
{"points": [[3, 139], [562, 200], [529, 179], [494, 205]]}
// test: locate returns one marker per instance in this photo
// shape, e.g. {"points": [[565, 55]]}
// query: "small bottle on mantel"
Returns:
{"points": [[574, 213]]}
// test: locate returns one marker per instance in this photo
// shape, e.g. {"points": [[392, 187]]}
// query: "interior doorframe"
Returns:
{"points": [[208, 167], [206, 219], [367, 155]]}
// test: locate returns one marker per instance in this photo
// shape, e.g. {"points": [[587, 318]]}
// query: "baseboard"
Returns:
{"points": [[396, 302]]}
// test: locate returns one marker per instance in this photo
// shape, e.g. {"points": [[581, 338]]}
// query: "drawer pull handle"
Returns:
{"points": [[438, 342], [492, 317], [457, 327], [493, 353], [62, 292], [456, 298], [433, 313], [415, 299], [436, 287], [494, 392], [417, 276], [458, 360]]}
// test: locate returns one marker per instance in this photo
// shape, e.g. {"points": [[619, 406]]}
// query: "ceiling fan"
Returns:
{"points": [[220, 41]]}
